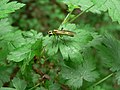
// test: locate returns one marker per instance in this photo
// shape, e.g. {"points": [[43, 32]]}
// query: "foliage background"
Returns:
{"points": [[39, 12], [29, 60]]}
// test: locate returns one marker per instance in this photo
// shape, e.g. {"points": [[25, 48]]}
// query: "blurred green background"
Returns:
{"points": [[40, 15]]}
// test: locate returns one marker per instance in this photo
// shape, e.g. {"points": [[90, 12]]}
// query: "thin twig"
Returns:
{"points": [[37, 71], [103, 80], [66, 18], [81, 13], [34, 86]]}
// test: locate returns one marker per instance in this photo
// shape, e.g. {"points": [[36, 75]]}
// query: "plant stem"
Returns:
{"points": [[66, 18], [34, 86], [81, 13], [103, 80]]}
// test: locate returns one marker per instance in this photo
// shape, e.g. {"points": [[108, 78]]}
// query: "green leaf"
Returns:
{"points": [[15, 39], [110, 52], [19, 84], [40, 88], [95, 41], [3, 51], [51, 45], [54, 87], [96, 88], [5, 88], [23, 45], [35, 78], [117, 76], [68, 26], [64, 44], [71, 50], [6, 8], [71, 47], [82, 4], [19, 54], [4, 74], [5, 27], [112, 6], [85, 71], [32, 35]]}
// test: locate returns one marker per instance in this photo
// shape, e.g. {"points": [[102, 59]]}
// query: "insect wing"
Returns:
{"points": [[64, 32]]}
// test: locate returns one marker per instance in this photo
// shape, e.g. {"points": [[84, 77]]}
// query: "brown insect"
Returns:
{"points": [[61, 32]]}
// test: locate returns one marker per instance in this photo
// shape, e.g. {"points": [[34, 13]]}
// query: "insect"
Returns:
{"points": [[61, 32]]}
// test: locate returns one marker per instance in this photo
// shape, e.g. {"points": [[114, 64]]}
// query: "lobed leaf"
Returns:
{"points": [[24, 49], [82, 4], [4, 75], [5, 27], [117, 76], [71, 47], [19, 54], [112, 6], [75, 75], [19, 84], [8, 7], [110, 52]]}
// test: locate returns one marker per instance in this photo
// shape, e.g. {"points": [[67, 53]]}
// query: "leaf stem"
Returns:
{"points": [[81, 13], [102, 80], [66, 18], [34, 86]]}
